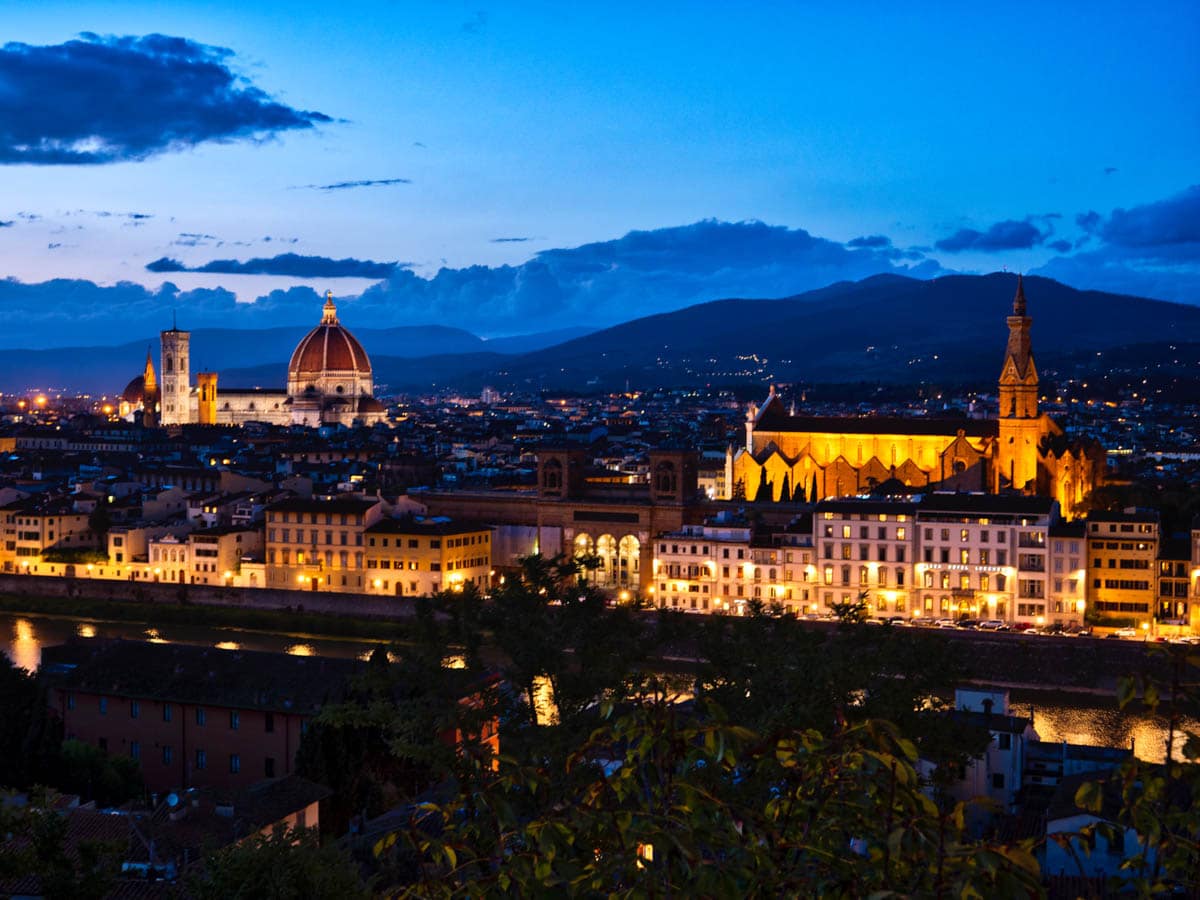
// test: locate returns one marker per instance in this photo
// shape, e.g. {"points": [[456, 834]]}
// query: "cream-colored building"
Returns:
{"points": [[420, 557], [318, 543]]}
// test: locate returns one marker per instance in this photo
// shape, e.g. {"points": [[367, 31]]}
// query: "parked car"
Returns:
{"points": [[1126, 633], [993, 625], [968, 623], [945, 623]]}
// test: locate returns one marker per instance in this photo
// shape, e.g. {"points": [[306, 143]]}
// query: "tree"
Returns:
{"points": [[284, 865], [695, 805], [30, 736], [37, 844], [87, 770]]}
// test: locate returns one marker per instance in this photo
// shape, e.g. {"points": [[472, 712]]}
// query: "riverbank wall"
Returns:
{"points": [[359, 606]]}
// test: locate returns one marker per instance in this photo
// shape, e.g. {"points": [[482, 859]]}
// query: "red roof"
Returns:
{"points": [[328, 347]]}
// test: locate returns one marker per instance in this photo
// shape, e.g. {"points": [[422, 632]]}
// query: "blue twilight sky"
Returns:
{"points": [[1062, 138]]}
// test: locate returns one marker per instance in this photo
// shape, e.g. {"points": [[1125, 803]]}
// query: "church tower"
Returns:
{"points": [[206, 390], [149, 394], [176, 383], [1020, 422]]}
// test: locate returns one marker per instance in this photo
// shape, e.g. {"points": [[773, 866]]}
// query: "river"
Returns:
{"points": [[1058, 715]]}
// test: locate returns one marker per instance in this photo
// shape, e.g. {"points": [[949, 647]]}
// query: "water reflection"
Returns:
{"points": [[26, 648], [154, 637], [454, 661], [228, 645], [1097, 720], [85, 630], [301, 650]]}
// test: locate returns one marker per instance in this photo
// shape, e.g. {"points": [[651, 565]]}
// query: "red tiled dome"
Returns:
{"points": [[328, 348], [135, 391]]}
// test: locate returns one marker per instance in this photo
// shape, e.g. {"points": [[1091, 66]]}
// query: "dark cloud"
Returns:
{"points": [[870, 241], [510, 240], [347, 185], [1171, 222], [602, 283], [6, 224], [1060, 245], [1152, 250], [196, 239], [1007, 235], [642, 273], [286, 264], [105, 99], [1109, 170], [280, 240]]}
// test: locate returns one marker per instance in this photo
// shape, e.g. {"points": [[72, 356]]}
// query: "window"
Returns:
{"points": [[235, 719], [167, 712], [1005, 742], [201, 715], [998, 780], [269, 767], [70, 701], [270, 722], [235, 763], [167, 754], [135, 709], [201, 760], [104, 706], [135, 750]]}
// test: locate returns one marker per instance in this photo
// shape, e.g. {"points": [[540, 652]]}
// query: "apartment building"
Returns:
{"points": [[319, 543], [1122, 550], [984, 556], [418, 557], [32, 526], [864, 548]]}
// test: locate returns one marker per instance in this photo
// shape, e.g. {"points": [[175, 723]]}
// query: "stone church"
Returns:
{"points": [[329, 382], [798, 457]]}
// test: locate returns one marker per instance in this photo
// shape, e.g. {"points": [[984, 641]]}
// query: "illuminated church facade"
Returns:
{"points": [[329, 382], [797, 457]]}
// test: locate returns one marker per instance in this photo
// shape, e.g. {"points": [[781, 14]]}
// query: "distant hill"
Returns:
{"points": [[887, 328]]}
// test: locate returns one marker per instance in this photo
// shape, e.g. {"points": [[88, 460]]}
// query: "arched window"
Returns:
{"points": [[664, 478], [552, 475]]}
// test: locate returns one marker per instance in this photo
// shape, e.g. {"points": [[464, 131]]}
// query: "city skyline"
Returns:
{"points": [[516, 167]]}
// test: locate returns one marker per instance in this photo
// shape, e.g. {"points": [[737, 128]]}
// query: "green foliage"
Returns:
{"points": [[79, 555], [37, 846], [285, 865], [90, 772], [694, 805]]}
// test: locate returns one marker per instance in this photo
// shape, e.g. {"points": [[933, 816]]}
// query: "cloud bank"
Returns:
{"points": [[1152, 250], [291, 265], [601, 283], [107, 99]]}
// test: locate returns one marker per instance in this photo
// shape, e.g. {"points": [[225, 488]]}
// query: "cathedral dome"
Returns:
{"points": [[135, 391], [328, 348]]}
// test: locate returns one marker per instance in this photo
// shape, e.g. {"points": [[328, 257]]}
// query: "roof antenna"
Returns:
{"points": [[174, 327]]}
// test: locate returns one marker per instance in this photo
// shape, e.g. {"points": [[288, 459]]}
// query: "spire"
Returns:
{"points": [[148, 378], [329, 311], [1019, 299]]}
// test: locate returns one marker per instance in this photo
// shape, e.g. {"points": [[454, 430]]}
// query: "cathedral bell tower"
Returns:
{"points": [[175, 403], [1020, 421]]}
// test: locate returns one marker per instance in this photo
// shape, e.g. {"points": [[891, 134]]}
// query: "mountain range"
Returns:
{"points": [[886, 328]]}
